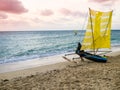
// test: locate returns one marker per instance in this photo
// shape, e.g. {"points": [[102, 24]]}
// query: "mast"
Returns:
{"points": [[92, 32]]}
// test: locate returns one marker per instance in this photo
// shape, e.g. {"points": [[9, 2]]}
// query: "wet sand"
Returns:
{"points": [[85, 75]]}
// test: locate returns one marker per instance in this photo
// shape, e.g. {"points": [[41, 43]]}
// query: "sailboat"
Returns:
{"points": [[97, 36]]}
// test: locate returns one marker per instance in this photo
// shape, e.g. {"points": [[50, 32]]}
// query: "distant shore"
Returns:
{"points": [[65, 75]]}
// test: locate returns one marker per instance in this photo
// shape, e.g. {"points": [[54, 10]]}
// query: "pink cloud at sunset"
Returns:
{"points": [[66, 12], [3, 16], [52, 14], [104, 2], [100, 1], [102, 5], [47, 12], [13, 25], [12, 6]]}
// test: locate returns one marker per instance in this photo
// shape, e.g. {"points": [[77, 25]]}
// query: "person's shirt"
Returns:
{"points": [[79, 46]]}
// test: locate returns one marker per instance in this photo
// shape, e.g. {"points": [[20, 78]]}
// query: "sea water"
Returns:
{"points": [[24, 45]]}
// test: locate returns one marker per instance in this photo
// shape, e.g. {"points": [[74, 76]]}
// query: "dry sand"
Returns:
{"points": [[86, 75]]}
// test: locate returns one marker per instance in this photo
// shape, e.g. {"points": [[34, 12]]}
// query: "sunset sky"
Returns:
{"points": [[23, 15]]}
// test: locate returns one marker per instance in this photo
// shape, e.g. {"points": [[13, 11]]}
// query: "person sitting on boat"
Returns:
{"points": [[79, 51]]}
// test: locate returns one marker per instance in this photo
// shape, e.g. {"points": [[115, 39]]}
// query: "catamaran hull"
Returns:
{"points": [[92, 57]]}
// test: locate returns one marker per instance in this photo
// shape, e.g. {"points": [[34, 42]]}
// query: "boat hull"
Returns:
{"points": [[93, 57]]}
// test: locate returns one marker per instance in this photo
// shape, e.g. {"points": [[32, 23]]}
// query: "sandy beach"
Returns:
{"points": [[66, 75]]}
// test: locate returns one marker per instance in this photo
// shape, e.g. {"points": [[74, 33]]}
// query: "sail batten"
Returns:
{"points": [[98, 31]]}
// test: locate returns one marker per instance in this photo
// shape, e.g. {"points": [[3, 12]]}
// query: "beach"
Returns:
{"points": [[65, 75], [65, 45]]}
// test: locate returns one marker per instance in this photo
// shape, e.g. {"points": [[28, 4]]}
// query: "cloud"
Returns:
{"points": [[99, 1], [12, 6], [36, 20], [15, 23], [67, 12], [6, 25], [47, 12], [104, 2], [102, 5], [3, 16]]}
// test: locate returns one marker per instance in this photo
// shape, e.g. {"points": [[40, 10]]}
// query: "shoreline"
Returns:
{"points": [[32, 63], [33, 66], [37, 62]]}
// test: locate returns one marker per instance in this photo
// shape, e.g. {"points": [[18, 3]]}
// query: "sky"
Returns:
{"points": [[32, 15]]}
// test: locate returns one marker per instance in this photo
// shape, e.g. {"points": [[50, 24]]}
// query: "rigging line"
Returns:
{"points": [[96, 50], [92, 30], [84, 22]]}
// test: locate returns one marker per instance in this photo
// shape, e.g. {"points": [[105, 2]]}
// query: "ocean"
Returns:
{"points": [[24, 45]]}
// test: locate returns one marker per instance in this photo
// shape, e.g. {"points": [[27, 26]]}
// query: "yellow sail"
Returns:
{"points": [[98, 32]]}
